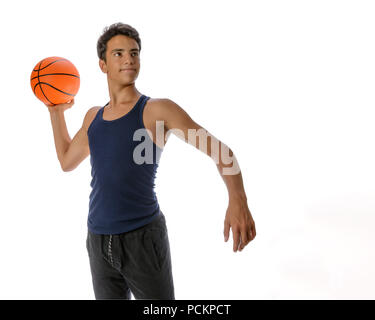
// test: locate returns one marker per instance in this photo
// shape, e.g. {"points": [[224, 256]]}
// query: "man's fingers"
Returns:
{"points": [[253, 231], [241, 235], [250, 234], [244, 238], [226, 230], [236, 239]]}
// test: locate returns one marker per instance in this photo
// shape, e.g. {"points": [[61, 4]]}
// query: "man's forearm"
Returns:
{"points": [[231, 174], [223, 157], [234, 185], [228, 167], [60, 133]]}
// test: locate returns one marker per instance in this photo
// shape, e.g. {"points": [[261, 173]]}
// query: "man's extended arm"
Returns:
{"points": [[238, 216]]}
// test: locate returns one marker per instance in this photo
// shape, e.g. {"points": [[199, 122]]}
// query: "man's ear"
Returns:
{"points": [[103, 65]]}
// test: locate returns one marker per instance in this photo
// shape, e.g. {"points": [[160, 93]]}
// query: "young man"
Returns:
{"points": [[127, 240]]}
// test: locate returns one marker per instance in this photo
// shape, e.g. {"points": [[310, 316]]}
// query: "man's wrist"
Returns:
{"points": [[55, 112], [237, 196]]}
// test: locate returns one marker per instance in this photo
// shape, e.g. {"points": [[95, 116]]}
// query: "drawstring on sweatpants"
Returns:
{"points": [[110, 249]]}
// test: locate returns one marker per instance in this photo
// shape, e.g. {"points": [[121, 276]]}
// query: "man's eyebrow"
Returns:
{"points": [[133, 49]]}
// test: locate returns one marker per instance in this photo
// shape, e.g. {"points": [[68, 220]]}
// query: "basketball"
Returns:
{"points": [[55, 80]]}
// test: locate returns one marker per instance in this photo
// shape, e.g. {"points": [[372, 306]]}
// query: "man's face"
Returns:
{"points": [[122, 53]]}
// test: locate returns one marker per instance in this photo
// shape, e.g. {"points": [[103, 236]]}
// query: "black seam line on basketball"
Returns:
{"points": [[43, 92], [39, 83], [38, 77], [53, 74], [69, 94], [41, 86], [49, 64]]}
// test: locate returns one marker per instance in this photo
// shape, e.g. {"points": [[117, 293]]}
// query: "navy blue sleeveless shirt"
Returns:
{"points": [[124, 160]]}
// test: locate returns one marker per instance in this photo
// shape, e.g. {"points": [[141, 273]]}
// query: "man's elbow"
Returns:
{"points": [[66, 168]]}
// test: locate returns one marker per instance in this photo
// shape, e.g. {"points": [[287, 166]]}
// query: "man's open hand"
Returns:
{"points": [[60, 107], [238, 217]]}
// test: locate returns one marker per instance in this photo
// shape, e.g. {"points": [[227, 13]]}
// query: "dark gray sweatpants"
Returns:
{"points": [[137, 262]]}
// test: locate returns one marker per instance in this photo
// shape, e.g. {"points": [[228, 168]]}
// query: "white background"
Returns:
{"points": [[288, 85]]}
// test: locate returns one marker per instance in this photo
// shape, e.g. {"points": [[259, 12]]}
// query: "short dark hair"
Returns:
{"points": [[113, 30]]}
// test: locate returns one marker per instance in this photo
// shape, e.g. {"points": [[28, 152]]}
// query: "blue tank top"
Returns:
{"points": [[122, 196]]}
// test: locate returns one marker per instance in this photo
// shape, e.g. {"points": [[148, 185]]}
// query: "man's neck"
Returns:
{"points": [[122, 96]]}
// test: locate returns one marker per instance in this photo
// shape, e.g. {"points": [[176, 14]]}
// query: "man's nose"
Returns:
{"points": [[128, 59]]}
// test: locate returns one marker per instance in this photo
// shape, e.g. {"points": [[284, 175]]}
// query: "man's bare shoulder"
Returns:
{"points": [[171, 113], [161, 101], [161, 106], [89, 117], [93, 110]]}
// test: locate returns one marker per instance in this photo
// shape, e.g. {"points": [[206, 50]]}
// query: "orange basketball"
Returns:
{"points": [[55, 80]]}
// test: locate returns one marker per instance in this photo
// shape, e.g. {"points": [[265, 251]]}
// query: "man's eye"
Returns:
{"points": [[136, 53]]}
